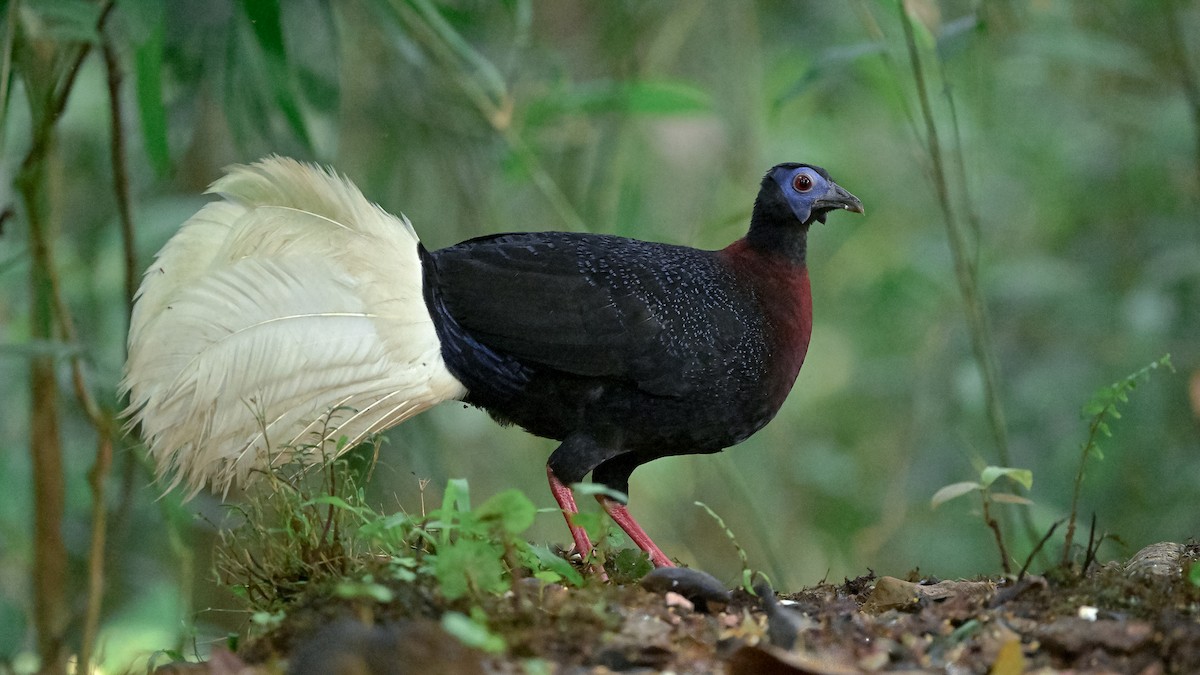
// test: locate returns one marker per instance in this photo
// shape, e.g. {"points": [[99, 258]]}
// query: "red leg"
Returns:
{"points": [[621, 516], [566, 502]]}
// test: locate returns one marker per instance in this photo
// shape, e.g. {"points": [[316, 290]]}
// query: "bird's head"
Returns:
{"points": [[806, 191]]}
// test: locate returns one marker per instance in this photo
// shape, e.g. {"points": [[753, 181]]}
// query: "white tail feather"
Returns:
{"points": [[288, 314]]}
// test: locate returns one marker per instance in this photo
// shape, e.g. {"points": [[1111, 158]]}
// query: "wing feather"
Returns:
{"points": [[660, 316]]}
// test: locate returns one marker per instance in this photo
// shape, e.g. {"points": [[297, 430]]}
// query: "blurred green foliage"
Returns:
{"points": [[1076, 122]]}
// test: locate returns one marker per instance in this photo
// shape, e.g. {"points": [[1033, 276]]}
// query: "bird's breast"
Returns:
{"points": [[781, 290]]}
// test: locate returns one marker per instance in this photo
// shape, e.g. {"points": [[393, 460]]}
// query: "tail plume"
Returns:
{"points": [[287, 314]]}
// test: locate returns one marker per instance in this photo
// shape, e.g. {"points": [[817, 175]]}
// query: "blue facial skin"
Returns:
{"points": [[811, 194]]}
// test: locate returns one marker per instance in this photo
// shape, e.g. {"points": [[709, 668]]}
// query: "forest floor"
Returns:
{"points": [[1141, 616]]}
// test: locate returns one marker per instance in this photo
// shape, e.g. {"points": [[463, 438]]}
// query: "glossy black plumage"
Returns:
{"points": [[624, 350], [641, 347]]}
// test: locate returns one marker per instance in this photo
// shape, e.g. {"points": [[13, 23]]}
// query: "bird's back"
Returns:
{"points": [[560, 333]]}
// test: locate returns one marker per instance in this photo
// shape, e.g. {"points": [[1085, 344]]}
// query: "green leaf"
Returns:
{"points": [[639, 97], [471, 633], [268, 619], [147, 66], [1194, 573], [62, 20], [1105, 399], [487, 74], [629, 565], [466, 564], [511, 508], [952, 491], [589, 521], [555, 564], [365, 588], [403, 569], [593, 489], [266, 21], [664, 97], [457, 496], [1023, 477]]}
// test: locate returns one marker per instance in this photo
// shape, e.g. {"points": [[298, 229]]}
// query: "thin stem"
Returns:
{"points": [[1037, 549], [964, 268], [49, 313], [98, 476], [10, 37], [996, 532], [1187, 75], [120, 167], [1093, 430]]}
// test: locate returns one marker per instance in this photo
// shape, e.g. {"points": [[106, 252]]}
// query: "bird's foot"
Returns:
{"points": [[621, 516], [583, 544]]}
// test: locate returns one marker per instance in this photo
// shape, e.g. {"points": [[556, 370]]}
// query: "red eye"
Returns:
{"points": [[802, 182]]}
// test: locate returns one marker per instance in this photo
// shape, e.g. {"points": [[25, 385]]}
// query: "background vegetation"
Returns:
{"points": [[1032, 235]]}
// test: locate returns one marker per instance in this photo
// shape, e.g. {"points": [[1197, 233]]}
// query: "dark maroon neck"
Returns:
{"points": [[781, 285]]}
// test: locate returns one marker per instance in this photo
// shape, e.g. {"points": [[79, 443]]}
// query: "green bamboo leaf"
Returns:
{"points": [[266, 21], [664, 98], [62, 20], [642, 97], [487, 73], [147, 65]]}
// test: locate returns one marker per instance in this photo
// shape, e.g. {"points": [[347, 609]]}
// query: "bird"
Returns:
{"points": [[291, 313]]}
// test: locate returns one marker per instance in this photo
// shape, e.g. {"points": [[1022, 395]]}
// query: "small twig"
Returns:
{"points": [[120, 167], [97, 478], [1037, 548], [1093, 547]]}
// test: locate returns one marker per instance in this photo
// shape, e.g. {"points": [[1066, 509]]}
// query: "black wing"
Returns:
{"points": [[667, 318]]}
